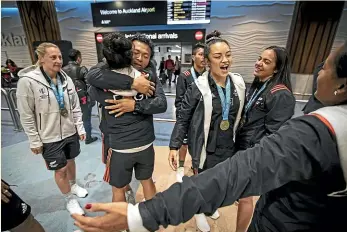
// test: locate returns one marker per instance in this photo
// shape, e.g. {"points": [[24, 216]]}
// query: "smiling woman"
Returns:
{"points": [[52, 119], [210, 113], [269, 104]]}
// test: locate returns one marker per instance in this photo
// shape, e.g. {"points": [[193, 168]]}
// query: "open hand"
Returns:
{"points": [[124, 105], [114, 219]]}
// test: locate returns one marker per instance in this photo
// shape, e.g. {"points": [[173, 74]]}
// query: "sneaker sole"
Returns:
{"points": [[80, 197]]}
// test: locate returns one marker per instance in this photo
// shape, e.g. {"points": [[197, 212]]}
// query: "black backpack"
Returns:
{"points": [[81, 88]]}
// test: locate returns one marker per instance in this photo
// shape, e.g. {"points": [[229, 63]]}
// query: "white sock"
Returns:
{"points": [[72, 182], [68, 196]]}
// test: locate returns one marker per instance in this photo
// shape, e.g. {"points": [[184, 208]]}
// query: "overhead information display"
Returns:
{"points": [[188, 12]]}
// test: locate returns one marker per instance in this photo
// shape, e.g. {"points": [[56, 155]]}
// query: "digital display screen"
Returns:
{"points": [[188, 12], [140, 13], [157, 36], [129, 13]]}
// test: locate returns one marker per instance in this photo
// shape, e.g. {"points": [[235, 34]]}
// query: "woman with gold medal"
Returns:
{"points": [[210, 114], [269, 104]]}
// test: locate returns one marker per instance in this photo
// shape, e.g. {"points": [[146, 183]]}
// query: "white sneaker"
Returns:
{"points": [[201, 222], [215, 215], [79, 191], [179, 174], [74, 207]]}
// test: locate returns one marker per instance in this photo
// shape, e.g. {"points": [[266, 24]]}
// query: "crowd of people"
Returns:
{"points": [[243, 142]]}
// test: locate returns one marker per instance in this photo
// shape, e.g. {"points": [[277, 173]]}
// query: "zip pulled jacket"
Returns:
{"points": [[132, 129], [39, 109], [194, 117]]}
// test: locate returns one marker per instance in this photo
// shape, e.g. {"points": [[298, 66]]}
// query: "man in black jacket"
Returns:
{"points": [[78, 75], [144, 107], [184, 80]]}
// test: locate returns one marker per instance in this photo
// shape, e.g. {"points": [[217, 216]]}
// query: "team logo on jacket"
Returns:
{"points": [[43, 94], [235, 93], [260, 101], [42, 90]]}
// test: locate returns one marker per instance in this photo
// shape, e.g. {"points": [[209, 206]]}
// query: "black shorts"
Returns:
{"points": [[105, 147], [121, 165], [56, 154], [13, 213]]}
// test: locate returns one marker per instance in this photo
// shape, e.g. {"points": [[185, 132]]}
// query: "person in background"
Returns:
{"points": [[269, 104], [51, 117], [299, 171], [15, 213], [162, 66], [313, 103], [78, 75], [169, 67], [145, 106], [184, 80], [14, 69], [177, 68], [10, 64], [210, 113]]}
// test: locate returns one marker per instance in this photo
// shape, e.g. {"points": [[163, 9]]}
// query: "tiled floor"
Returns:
{"points": [[36, 185]]}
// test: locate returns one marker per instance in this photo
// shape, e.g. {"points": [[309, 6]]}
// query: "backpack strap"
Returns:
{"points": [[78, 72], [335, 117]]}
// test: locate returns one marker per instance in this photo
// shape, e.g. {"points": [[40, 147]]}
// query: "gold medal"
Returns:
{"points": [[64, 112], [224, 125]]}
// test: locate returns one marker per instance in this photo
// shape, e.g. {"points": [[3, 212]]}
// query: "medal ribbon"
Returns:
{"points": [[59, 93], [193, 73], [254, 97], [225, 99]]}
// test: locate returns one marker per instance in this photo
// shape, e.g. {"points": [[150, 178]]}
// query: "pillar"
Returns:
{"points": [[40, 22], [311, 36]]}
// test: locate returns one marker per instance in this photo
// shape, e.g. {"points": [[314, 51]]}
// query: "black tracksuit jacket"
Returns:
{"points": [[269, 112], [293, 170], [132, 129]]}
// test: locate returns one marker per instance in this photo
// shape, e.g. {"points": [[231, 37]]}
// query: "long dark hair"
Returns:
{"points": [[340, 62], [282, 76], [117, 50], [212, 38]]}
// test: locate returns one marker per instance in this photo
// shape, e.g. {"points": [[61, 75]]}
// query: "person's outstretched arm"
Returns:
{"points": [[297, 152], [302, 148]]}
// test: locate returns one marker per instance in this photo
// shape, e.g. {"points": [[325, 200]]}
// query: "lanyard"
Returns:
{"points": [[254, 97], [58, 92], [193, 73], [225, 99]]}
